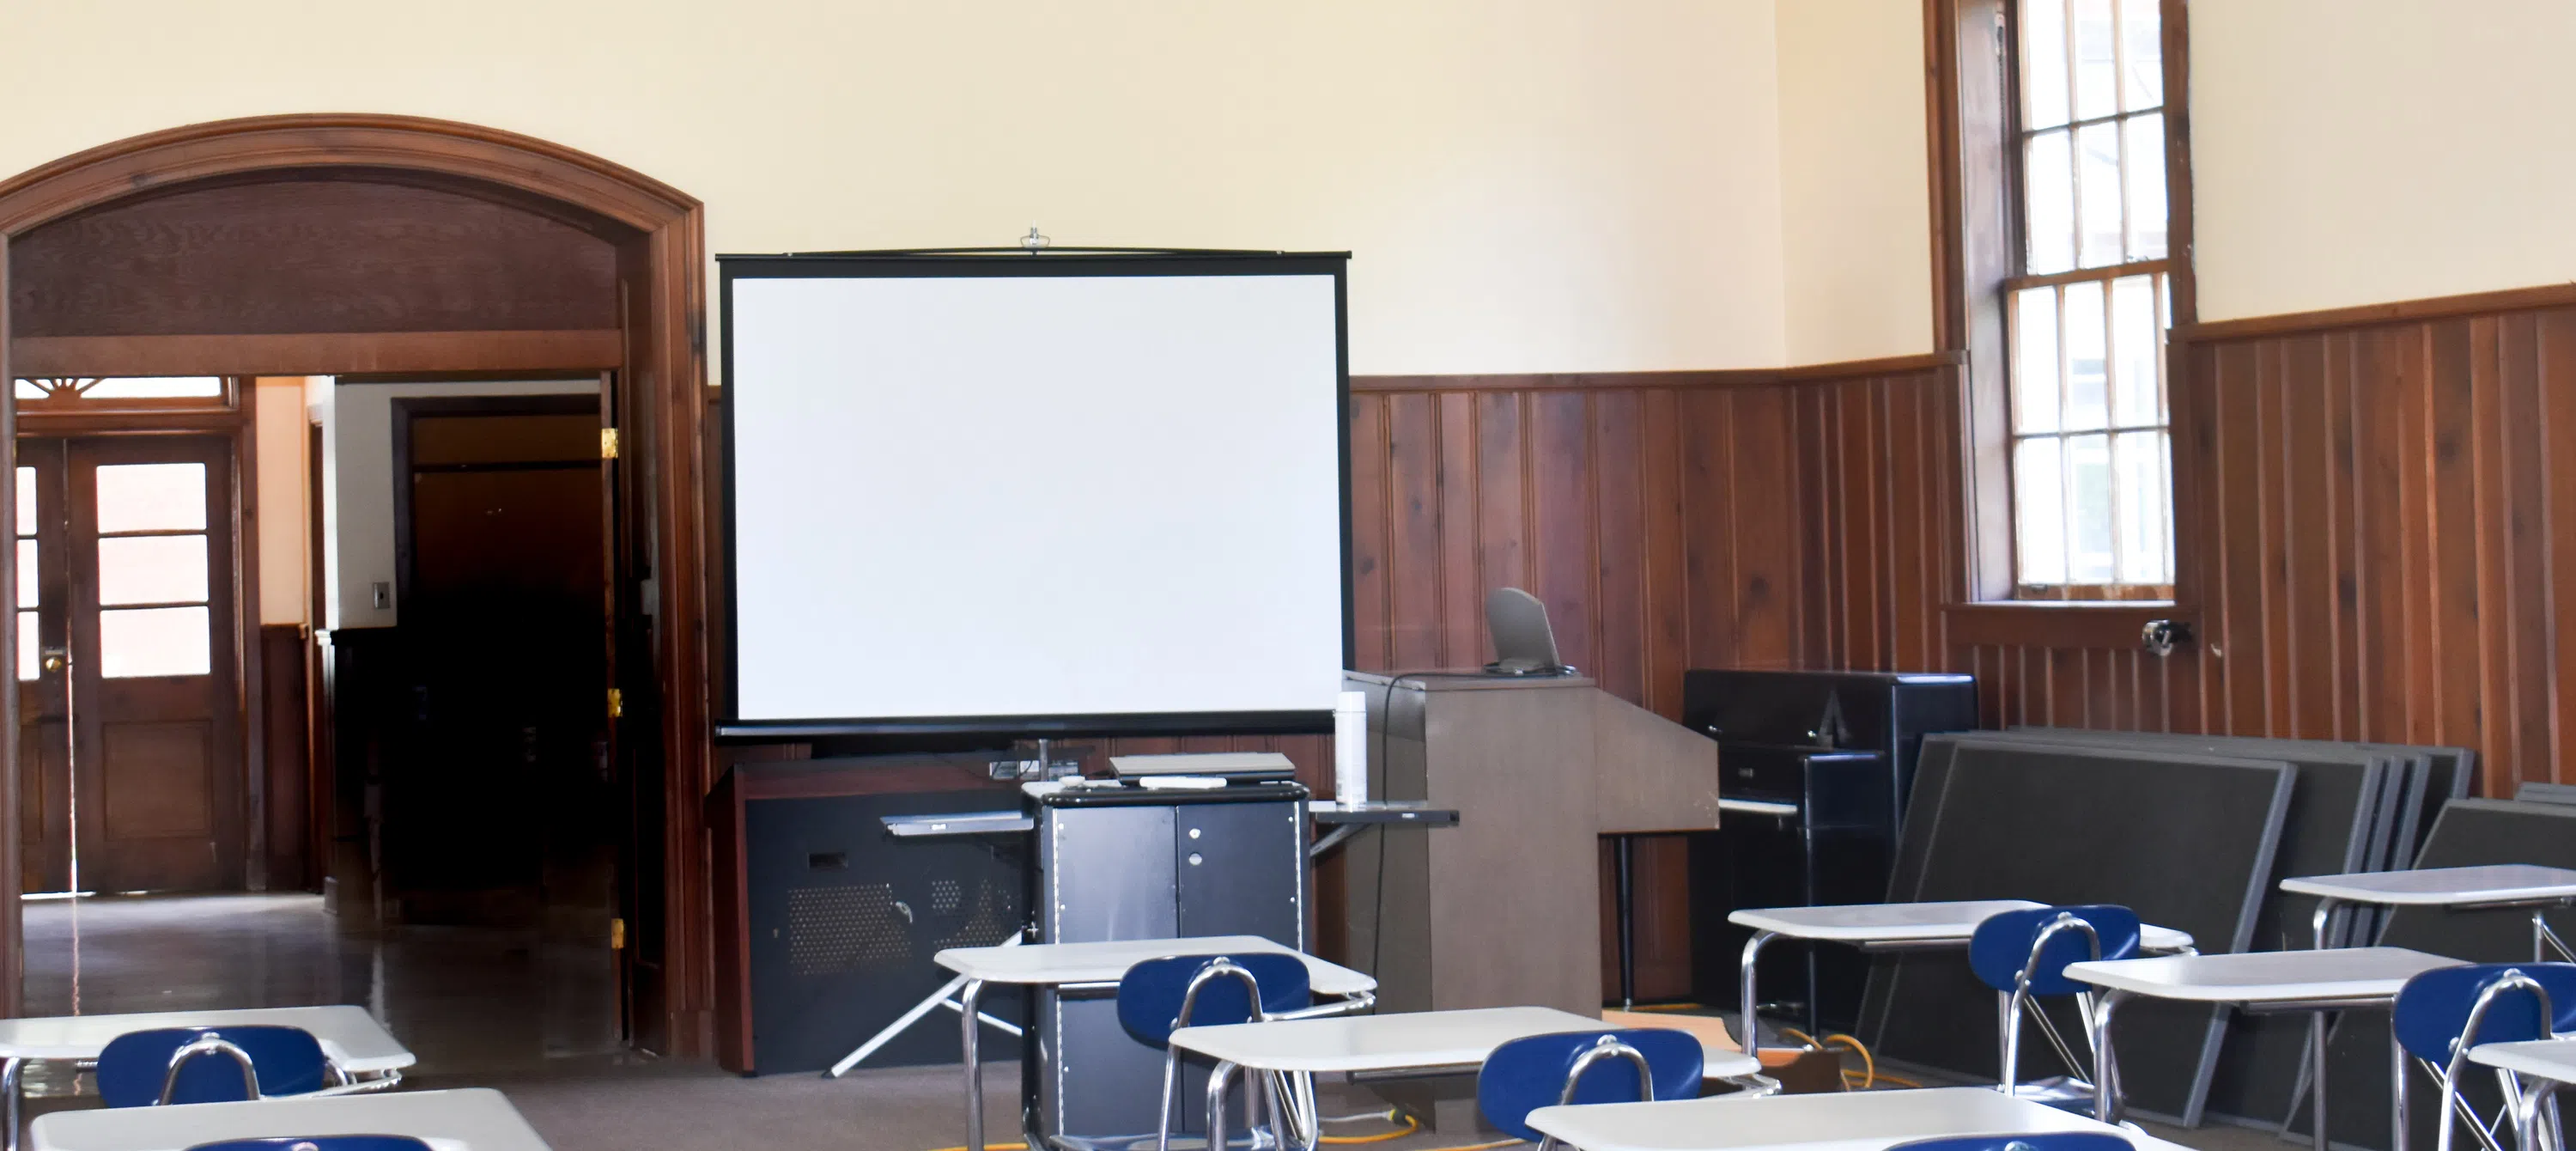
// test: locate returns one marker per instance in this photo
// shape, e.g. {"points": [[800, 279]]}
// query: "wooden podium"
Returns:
{"points": [[1504, 910]]}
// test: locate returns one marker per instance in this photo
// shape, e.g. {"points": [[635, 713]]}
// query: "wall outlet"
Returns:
{"points": [[384, 595]]}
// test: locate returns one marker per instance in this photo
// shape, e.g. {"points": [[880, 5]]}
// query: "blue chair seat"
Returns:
{"points": [[2442, 1013], [2047, 1141], [210, 1065], [1539, 1071], [1160, 996], [319, 1143]]}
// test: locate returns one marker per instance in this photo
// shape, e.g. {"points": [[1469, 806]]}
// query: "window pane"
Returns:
{"points": [[2048, 205], [2035, 382], [27, 583], [26, 501], [2037, 483], [2088, 397], [2142, 36], [154, 641], [2043, 63], [152, 569], [31, 390], [2146, 172], [154, 388], [149, 497], [2088, 490], [2137, 392], [2097, 85], [28, 664], [2098, 163], [2139, 467]]}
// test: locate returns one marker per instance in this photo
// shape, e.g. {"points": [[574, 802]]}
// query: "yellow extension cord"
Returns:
{"points": [[1861, 1080]]}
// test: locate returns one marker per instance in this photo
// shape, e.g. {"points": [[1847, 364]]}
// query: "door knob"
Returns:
{"points": [[55, 658]]}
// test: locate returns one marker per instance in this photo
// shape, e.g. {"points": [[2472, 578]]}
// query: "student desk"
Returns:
{"points": [[2253, 981], [1846, 1121], [2542, 1066], [1888, 927], [475, 1119], [1412, 1041], [349, 1036], [1067, 965], [2491, 887]]}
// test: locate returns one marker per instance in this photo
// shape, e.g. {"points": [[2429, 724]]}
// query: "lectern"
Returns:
{"points": [[1504, 910]]}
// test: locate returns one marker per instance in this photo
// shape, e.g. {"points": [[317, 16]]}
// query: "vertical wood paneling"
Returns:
{"points": [[2383, 544], [1412, 557], [1659, 524]]}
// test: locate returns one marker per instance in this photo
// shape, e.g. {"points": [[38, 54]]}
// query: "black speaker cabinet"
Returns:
{"points": [[826, 923], [1817, 767]]}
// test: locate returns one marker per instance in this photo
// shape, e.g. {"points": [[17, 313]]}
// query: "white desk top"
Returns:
{"points": [[477, 1119], [2337, 974], [2443, 886], [1051, 964], [1928, 923], [2553, 1059], [1398, 1042], [1849, 1121], [352, 1038]]}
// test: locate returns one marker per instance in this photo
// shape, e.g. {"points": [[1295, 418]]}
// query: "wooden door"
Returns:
{"points": [[155, 709], [44, 682]]}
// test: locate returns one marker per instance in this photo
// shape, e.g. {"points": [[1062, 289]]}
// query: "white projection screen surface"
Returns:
{"points": [[1099, 495]]}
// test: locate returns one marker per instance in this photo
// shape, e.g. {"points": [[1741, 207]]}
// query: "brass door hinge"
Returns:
{"points": [[616, 703], [617, 935], [608, 443]]}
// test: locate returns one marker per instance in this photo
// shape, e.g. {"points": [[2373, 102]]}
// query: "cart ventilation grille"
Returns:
{"points": [[831, 930]]}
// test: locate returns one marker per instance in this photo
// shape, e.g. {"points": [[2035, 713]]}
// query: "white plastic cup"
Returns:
{"points": [[1350, 748]]}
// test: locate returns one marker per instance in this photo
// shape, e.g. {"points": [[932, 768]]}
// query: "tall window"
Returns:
{"points": [[2088, 303]]}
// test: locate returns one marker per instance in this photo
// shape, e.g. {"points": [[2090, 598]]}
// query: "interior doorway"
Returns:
{"points": [[499, 526], [128, 664], [374, 244]]}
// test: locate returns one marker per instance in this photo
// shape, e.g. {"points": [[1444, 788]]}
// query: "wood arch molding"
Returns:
{"points": [[661, 271]]}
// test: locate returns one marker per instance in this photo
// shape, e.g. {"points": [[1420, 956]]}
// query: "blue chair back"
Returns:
{"points": [[133, 1067], [319, 1143], [1151, 993], [2433, 1008], [2001, 948], [1526, 1074], [2050, 1141]]}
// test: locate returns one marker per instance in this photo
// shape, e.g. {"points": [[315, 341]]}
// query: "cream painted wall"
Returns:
{"points": [[284, 567], [1528, 185], [1855, 182], [2370, 151], [358, 486]]}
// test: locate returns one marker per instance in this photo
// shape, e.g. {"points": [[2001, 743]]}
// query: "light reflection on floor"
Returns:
{"points": [[467, 1000]]}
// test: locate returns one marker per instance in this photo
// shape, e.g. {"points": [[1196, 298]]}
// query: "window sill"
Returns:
{"points": [[2059, 623]]}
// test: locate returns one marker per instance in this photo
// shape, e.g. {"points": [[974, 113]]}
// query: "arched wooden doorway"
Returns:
{"points": [[65, 317]]}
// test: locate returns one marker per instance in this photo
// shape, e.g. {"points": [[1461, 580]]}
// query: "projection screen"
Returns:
{"points": [[1035, 494]]}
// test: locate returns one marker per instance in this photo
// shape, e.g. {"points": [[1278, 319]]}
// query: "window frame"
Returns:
{"points": [[1973, 91]]}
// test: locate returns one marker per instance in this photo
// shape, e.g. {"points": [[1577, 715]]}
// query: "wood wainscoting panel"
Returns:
{"points": [[2379, 540], [1656, 514], [2391, 533]]}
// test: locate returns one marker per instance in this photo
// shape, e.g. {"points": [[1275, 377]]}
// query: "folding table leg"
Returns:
{"points": [[2317, 1082], [969, 1024], [1220, 1079], [1751, 1040], [11, 1087], [2398, 1121], [2106, 1066]]}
